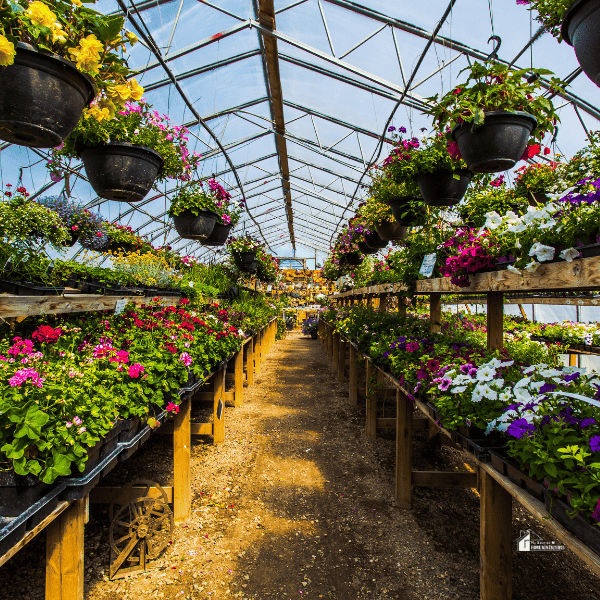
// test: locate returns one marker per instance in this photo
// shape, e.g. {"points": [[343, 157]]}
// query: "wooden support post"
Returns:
{"points": [[495, 539], [64, 554], [369, 299], [435, 312], [238, 390], [257, 352], [342, 360], [336, 350], [403, 489], [250, 362], [353, 385], [383, 302], [372, 380], [182, 452], [495, 320], [219, 406], [572, 359]]}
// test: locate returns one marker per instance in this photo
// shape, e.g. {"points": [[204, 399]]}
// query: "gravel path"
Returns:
{"points": [[297, 503]]}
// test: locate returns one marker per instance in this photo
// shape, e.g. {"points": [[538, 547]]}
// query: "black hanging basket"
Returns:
{"points": [[391, 231], [401, 215], [351, 259], [245, 261], [219, 235], [444, 188], [498, 144], [195, 227], [42, 97], [581, 29], [374, 241], [121, 171], [72, 240], [366, 249]]}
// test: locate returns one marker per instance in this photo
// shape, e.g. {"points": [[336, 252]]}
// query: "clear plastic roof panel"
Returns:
{"points": [[302, 125]]}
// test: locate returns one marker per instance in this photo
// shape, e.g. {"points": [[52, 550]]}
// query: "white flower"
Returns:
{"points": [[508, 363], [522, 395], [532, 266], [547, 224], [517, 228], [550, 373], [191, 284], [136, 132], [493, 220], [476, 396], [518, 243], [459, 389], [536, 385], [485, 373], [488, 392], [513, 269], [569, 254], [505, 396], [511, 218], [523, 383], [498, 383], [543, 253], [462, 379]]}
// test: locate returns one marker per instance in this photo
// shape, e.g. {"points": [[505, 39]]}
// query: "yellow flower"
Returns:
{"points": [[58, 35], [91, 44], [7, 52], [119, 93], [136, 91], [132, 38], [40, 14], [76, 2]]}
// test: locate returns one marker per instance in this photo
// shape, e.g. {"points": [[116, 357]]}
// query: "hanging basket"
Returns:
{"points": [[498, 144], [219, 235], [581, 29], [398, 206], [245, 261], [42, 97], [73, 237], [195, 227], [123, 247], [121, 171], [351, 259], [444, 188], [374, 241], [366, 249], [391, 231]]}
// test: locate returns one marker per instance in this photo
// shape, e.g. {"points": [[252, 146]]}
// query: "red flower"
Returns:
{"points": [[457, 91], [546, 150], [45, 333], [453, 151], [530, 151]]}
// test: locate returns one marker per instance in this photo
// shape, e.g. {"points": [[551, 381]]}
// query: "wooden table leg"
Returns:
{"points": [[330, 343], [353, 385], [404, 412], [495, 540], [257, 352], [238, 390], [250, 362], [435, 312], [336, 350], [342, 360], [64, 554], [218, 406], [371, 422], [182, 453], [495, 320]]}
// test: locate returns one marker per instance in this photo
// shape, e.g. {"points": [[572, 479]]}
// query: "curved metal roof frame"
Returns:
{"points": [[309, 182]]}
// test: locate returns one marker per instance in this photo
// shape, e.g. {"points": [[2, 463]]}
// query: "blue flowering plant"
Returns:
{"points": [[310, 326], [74, 216]]}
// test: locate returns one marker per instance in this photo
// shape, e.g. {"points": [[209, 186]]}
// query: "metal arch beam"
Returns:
{"points": [[233, 109], [324, 169], [266, 16]]}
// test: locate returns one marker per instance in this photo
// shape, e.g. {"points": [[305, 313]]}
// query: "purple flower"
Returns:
{"points": [[391, 128], [445, 384], [587, 422], [595, 443], [402, 129], [573, 377], [520, 428], [547, 387]]}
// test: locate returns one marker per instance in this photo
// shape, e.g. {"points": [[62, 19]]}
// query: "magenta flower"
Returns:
{"points": [[172, 408], [135, 370], [21, 376], [186, 359]]}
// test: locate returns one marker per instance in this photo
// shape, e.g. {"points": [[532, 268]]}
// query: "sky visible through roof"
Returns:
{"points": [[337, 96]]}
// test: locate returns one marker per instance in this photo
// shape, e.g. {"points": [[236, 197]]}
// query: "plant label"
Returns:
{"points": [[120, 306], [427, 265], [219, 409]]}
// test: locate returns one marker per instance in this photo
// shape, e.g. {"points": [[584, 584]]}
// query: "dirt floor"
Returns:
{"points": [[298, 503]]}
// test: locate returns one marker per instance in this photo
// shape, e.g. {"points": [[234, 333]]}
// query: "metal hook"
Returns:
{"points": [[494, 53], [553, 141]]}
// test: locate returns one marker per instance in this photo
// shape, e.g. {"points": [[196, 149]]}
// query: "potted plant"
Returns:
{"points": [[310, 327], [195, 210], [55, 57], [94, 235], [243, 251], [125, 153], [577, 22], [492, 115], [123, 239], [74, 217], [379, 216], [228, 214], [535, 181]]}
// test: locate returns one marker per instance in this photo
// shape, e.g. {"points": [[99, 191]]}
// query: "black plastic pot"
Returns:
{"points": [[398, 205], [581, 29], [366, 249], [22, 288], [219, 235], [121, 247], [73, 237], [245, 261], [498, 144], [18, 493], [374, 241], [42, 97], [351, 259], [442, 188], [195, 227], [391, 231], [121, 171], [314, 335]]}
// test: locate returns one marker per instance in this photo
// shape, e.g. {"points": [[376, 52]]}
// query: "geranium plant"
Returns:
{"points": [[539, 178], [136, 124], [93, 41], [550, 13]]}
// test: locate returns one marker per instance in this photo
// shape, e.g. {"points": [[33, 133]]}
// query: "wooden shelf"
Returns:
{"points": [[24, 306]]}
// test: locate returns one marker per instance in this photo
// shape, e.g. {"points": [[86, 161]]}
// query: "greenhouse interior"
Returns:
{"points": [[299, 299]]}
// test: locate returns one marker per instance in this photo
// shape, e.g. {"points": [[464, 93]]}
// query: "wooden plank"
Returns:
{"points": [[341, 359], [122, 495], [435, 313], [371, 417], [17, 306], [336, 350], [443, 479], [572, 359], [538, 510], [386, 423], [383, 301], [218, 408], [250, 362], [31, 534], [532, 300], [403, 478], [353, 376], [495, 540], [238, 393], [182, 440], [64, 553], [495, 321], [209, 396]]}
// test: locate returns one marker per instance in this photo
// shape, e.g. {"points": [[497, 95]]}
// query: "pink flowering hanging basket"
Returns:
{"points": [[121, 171]]}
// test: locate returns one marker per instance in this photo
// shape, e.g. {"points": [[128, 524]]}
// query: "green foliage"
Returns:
{"points": [[550, 13]]}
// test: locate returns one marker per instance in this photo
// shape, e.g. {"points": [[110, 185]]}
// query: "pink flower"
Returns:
{"points": [[23, 375], [77, 421], [135, 370], [68, 424], [172, 408], [186, 359]]}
